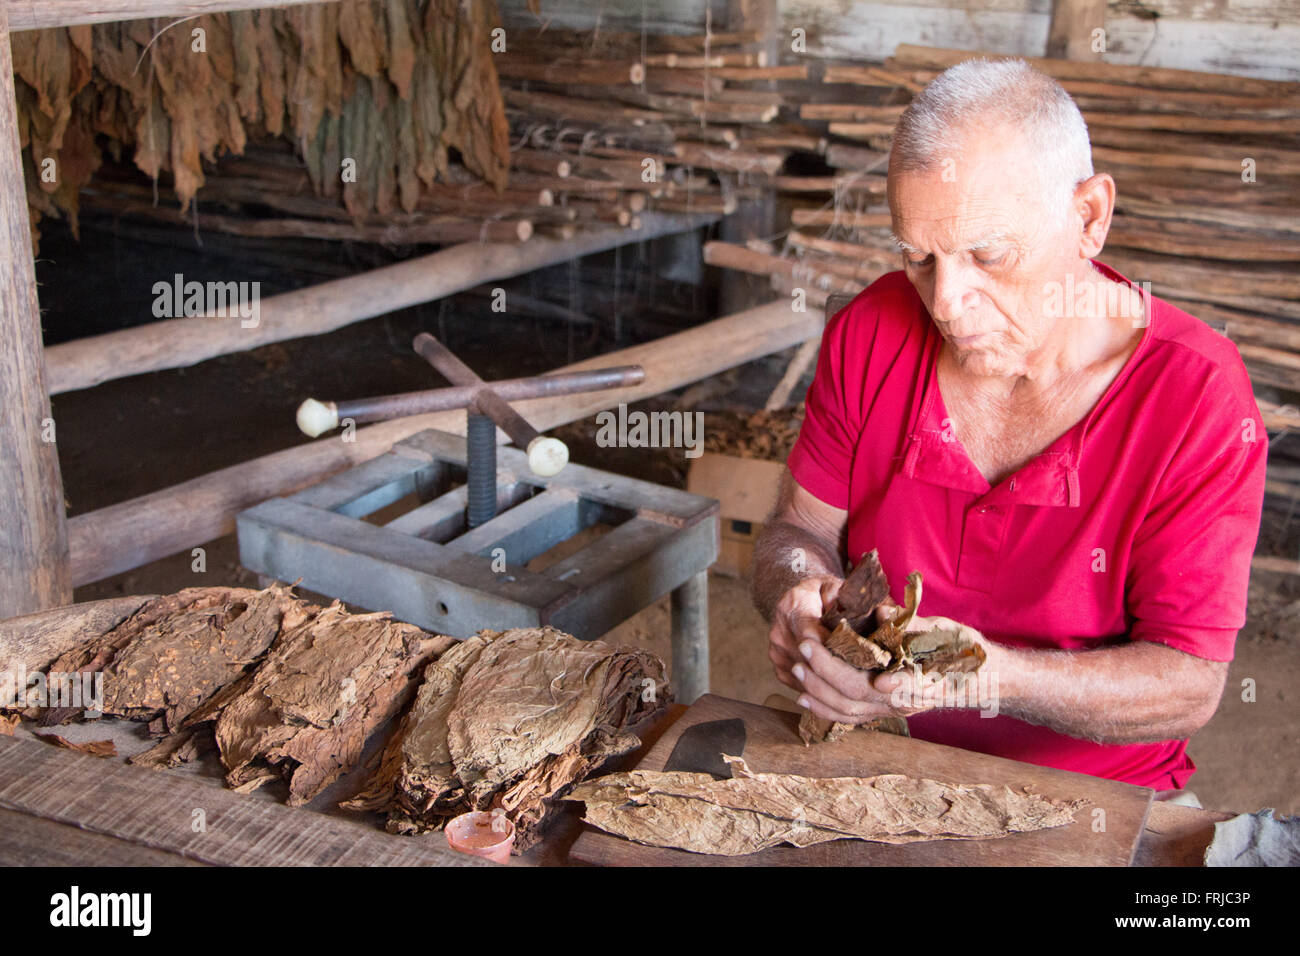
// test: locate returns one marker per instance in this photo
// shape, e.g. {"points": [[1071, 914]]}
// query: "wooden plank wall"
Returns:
{"points": [[1245, 37]]}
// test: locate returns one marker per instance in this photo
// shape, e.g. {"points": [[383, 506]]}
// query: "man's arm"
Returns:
{"points": [[798, 569], [1129, 693]]}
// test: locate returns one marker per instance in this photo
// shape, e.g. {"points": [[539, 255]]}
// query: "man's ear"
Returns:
{"points": [[1094, 200]]}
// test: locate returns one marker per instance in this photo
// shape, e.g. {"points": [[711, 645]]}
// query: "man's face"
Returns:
{"points": [[983, 246]]}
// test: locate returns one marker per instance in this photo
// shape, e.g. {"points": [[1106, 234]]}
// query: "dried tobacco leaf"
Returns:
{"points": [[510, 719], [163, 659], [95, 748], [943, 647], [753, 811], [174, 665], [306, 712], [286, 72]]}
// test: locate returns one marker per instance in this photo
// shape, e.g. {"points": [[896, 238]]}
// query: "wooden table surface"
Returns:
{"points": [[58, 807]]}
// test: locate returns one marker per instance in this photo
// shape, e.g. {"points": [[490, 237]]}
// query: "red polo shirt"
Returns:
{"points": [[1138, 524]]}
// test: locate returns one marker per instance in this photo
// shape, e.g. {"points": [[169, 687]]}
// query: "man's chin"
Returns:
{"points": [[981, 361]]}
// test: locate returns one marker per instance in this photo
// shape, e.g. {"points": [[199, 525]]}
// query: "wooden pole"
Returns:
{"points": [[33, 529], [135, 532], [176, 343], [42, 14], [1069, 37], [755, 218]]}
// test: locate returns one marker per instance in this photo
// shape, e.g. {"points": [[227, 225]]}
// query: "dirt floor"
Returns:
{"points": [[136, 435]]}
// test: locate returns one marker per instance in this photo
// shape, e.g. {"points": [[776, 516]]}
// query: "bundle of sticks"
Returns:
{"points": [[599, 127], [622, 122]]}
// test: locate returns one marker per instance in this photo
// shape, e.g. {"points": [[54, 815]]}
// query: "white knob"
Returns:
{"points": [[546, 456], [316, 418]]}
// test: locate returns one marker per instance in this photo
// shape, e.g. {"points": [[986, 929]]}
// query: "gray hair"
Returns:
{"points": [[996, 91]]}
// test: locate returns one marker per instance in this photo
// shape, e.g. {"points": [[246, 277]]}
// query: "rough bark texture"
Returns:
{"points": [[510, 719], [753, 811], [855, 638]]}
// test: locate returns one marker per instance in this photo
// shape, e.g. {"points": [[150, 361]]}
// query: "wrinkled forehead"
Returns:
{"points": [[991, 184]]}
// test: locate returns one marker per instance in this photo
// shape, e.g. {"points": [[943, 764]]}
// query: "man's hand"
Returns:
{"points": [[796, 618], [836, 690]]}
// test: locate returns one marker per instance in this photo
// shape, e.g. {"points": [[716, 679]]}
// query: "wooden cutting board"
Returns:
{"points": [[773, 745]]}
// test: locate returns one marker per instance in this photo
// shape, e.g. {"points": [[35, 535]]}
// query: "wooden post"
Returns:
{"points": [[690, 638], [33, 529], [755, 217], [1070, 35]]}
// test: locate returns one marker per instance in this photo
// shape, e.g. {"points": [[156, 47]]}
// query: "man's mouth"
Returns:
{"points": [[967, 341]]}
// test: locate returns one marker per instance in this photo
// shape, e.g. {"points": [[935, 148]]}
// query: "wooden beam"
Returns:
{"points": [[1069, 35], [176, 343], [755, 218], [42, 14], [135, 532], [33, 532]]}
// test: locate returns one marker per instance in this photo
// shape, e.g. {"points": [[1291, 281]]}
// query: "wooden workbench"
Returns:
{"points": [[59, 807]]}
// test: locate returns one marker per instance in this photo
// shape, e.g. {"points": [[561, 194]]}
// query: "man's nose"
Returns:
{"points": [[952, 292]]}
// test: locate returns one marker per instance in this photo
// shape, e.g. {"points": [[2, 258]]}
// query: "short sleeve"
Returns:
{"points": [[1190, 567], [822, 454]]}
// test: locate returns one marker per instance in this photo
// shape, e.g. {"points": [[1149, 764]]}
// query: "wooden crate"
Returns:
{"points": [[746, 491]]}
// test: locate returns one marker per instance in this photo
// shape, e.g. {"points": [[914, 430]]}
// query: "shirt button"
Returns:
{"points": [[1013, 484]]}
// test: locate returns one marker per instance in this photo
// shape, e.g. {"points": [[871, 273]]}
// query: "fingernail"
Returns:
{"points": [[803, 702], [806, 650], [798, 672]]}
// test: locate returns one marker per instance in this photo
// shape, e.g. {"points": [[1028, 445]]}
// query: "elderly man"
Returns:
{"points": [[1075, 468]]}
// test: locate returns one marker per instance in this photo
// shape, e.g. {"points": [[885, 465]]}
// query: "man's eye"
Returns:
{"points": [[990, 259], [918, 263]]}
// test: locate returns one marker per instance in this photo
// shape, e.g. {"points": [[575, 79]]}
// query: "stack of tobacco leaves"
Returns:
{"points": [[767, 434], [510, 720], [753, 811], [389, 85], [943, 648], [285, 688]]}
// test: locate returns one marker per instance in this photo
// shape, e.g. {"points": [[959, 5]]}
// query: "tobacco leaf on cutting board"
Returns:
{"points": [[511, 719], [854, 637], [754, 811]]}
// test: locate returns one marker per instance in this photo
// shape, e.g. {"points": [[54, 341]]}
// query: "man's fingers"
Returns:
{"points": [[826, 712], [819, 690], [839, 674]]}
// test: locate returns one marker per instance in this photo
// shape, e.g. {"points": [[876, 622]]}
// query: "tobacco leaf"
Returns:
{"points": [[901, 640], [96, 748], [8, 723], [175, 664], [864, 589], [753, 811], [429, 84], [510, 719], [151, 623], [325, 687]]}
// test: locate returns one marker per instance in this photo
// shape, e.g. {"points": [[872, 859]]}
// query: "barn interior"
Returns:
{"points": [[545, 187]]}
